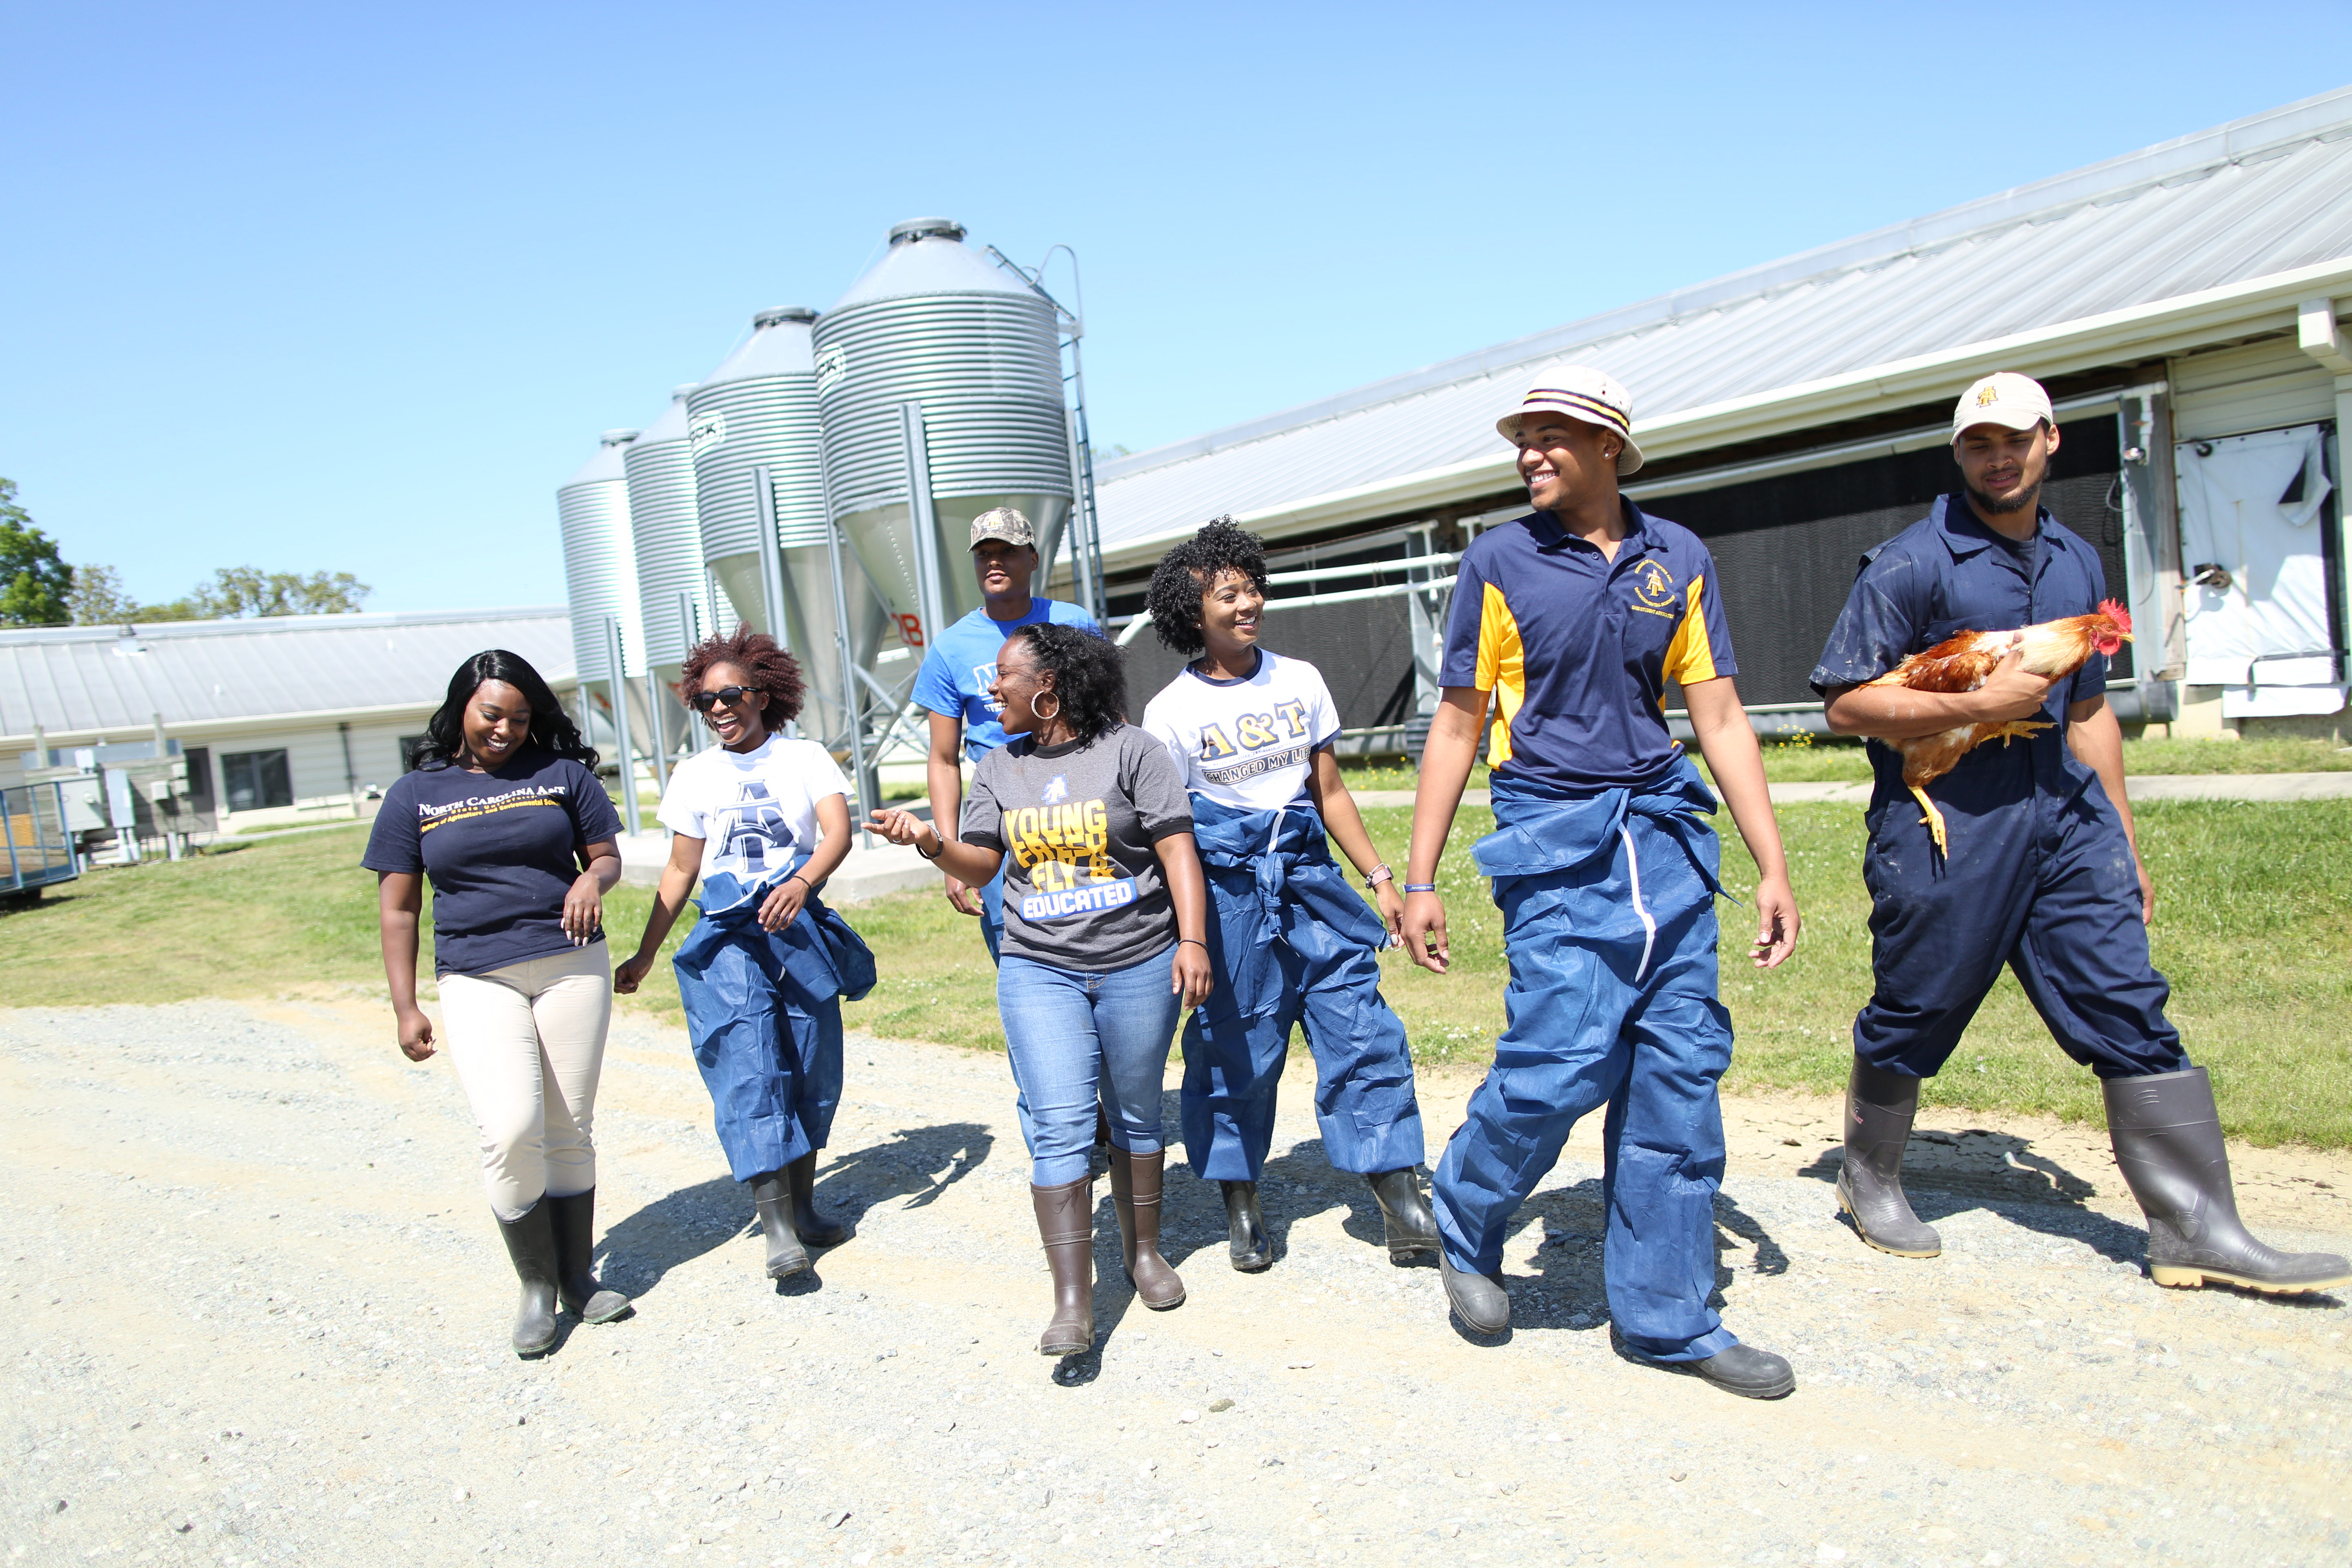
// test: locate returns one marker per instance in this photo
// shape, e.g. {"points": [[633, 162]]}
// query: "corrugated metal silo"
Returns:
{"points": [[755, 417], [668, 535], [600, 571], [600, 561], [934, 322]]}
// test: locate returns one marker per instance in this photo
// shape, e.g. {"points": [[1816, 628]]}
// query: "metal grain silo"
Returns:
{"points": [[668, 537], [600, 561], [759, 485], [939, 377]]}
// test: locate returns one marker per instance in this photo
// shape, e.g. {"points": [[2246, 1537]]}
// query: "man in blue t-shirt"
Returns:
{"points": [[956, 674]]}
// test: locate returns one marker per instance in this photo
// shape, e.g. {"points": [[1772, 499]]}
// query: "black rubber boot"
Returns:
{"points": [[771, 1197], [2168, 1139], [1879, 1105], [813, 1227], [530, 1242], [1135, 1194], [1246, 1241], [1065, 1224], [1408, 1225], [575, 1220], [1742, 1370], [1478, 1300]]}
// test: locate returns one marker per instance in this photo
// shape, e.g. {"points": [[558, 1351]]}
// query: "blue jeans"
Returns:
{"points": [[991, 912], [1077, 1038]]}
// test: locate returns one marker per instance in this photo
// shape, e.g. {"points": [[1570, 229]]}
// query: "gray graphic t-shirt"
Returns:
{"points": [[1077, 823]]}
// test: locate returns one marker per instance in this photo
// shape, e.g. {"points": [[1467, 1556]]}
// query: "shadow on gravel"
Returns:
{"points": [[1567, 1291], [920, 1162], [1945, 1174], [671, 1230], [1295, 1185], [917, 1163]]}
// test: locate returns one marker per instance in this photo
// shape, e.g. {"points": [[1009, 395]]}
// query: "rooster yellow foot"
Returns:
{"points": [[2015, 730], [1933, 821]]}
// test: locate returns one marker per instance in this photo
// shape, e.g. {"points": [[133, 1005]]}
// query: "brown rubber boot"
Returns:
{"points": [[1065, 1223], [1135, 1194], [2167, 1137]]}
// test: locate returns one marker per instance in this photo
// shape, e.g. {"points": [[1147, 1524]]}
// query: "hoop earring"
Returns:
{"points": [[1043, 714]]}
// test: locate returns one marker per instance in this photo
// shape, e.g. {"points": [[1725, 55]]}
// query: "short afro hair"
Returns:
{"points": [[776, 673], [1089, 676], [1190, 570]]}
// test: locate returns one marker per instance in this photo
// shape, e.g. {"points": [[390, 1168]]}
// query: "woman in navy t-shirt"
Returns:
{"points": [[504, 815]]}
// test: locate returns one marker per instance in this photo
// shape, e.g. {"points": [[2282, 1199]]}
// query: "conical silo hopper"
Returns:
{"points": [[936, 324], [758, 464]]}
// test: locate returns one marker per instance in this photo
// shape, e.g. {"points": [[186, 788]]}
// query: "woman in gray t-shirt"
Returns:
{"points": [[1105, 916]]}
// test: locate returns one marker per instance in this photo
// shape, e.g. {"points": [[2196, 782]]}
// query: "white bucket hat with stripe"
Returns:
{"points": [[1585, 395]]}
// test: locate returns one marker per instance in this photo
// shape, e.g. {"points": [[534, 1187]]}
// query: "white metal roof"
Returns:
{"points": [[2245, 218], [78, 679]]}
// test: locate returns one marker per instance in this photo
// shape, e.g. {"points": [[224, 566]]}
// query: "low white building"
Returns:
{"points": [[2189, 306], [282, 720]]}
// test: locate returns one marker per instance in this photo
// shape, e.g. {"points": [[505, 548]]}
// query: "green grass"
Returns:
{"points": [[272, 919], [2252, 929]]}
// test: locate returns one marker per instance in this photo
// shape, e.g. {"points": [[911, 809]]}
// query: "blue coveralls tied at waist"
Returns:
{"points": [[1291, 942], [764, 1011], [1545, 828], [1608, 900], [1259, 861]]}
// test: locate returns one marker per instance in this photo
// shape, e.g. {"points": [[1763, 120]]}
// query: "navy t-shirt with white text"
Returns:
{"points": [[501, 849]]}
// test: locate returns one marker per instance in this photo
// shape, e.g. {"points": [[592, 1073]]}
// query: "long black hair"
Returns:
{"points": [[551, 729], [1089, 676], [1188, 572]]}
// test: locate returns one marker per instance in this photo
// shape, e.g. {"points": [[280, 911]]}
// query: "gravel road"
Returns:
{"points": [[257, 1311]]}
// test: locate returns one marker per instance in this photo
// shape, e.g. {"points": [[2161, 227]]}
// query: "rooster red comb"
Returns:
{"points": [[2116, 613]]}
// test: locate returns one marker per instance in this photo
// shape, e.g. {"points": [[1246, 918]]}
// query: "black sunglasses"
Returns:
{"points": [[733, 696]]}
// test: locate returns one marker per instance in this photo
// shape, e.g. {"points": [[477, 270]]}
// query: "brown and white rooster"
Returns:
{"points": [[2051, 649]]}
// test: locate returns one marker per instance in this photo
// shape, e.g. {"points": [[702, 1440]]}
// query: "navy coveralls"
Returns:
{"points": [[2041, 875]]}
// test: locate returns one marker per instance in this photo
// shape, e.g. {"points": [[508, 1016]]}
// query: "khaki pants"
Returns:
{"points": [[529, 1041]]}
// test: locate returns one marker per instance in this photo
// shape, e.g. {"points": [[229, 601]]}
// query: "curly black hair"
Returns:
{"points": [[1089, 676], [1189, 571], [776, 673], [551, 729]]}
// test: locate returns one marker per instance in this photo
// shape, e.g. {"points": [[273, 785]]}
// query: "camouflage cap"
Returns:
{"points": [[1003, 522]]}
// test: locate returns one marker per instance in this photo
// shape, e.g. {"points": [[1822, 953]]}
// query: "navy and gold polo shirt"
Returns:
{"points": [[1577, 648]]}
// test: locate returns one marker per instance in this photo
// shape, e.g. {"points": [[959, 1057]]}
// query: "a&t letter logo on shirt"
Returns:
{"points": [[752, 829], [1654, 588]]}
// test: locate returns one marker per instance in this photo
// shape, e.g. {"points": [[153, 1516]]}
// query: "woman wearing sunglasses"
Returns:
{"points": [[502, 813], [1105, 919], [761, 820]]}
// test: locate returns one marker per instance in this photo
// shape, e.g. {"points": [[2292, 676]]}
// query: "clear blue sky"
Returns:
{"points": [[328, 286]]}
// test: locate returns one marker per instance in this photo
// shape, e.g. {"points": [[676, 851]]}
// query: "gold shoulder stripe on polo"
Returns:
{"points": [[1691, 655]]}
